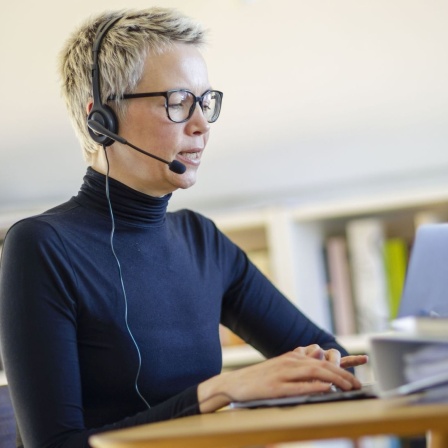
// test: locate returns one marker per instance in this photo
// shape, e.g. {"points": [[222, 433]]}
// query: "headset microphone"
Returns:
{"points": [[175, 166]]}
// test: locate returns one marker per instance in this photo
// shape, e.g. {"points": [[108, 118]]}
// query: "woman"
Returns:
{"points": [[109, 305]]}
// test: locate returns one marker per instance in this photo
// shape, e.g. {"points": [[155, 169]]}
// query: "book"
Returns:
{"points": [[422, 325], [405, 363], [428, 361], [328, 291], [339, 286], [396, 260], [365, 239]]}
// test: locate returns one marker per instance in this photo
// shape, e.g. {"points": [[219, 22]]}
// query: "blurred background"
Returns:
{"points": [[321, 98]]}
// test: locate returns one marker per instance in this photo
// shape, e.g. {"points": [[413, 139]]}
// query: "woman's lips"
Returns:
{"points": [[192, 156]]}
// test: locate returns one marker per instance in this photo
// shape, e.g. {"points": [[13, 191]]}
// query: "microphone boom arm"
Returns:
{"points": [[175, 166]]}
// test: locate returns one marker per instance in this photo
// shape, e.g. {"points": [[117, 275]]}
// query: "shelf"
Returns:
{"points": [[355, 344], [375, 203], [240, 356]]}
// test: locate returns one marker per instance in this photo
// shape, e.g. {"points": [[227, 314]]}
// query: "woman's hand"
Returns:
{"points": [[293, 373], [332, 355]]}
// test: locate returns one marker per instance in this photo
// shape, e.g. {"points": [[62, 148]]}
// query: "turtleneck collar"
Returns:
{"points": [[129, 205]]}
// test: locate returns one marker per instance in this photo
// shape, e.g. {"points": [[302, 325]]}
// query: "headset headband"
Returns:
{"points": [[101, 113], [96, 86]]}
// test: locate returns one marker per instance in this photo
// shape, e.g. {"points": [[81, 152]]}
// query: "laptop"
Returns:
{"points": [[425, 293], [335, 394]]}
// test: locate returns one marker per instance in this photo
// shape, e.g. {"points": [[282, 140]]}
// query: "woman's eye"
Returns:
{"points": [[176, 106], [179, 100]]}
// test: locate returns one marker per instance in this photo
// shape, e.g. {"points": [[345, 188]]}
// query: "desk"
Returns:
{"points": [[239, 428]]}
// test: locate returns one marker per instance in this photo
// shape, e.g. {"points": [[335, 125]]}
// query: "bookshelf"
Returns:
{"points": [[289, 240]]}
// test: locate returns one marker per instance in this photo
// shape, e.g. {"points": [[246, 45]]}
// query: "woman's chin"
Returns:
{"points": [[186, 180]]}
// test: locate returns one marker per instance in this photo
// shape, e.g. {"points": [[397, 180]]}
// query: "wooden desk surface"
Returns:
{"points": [[239, 428]]}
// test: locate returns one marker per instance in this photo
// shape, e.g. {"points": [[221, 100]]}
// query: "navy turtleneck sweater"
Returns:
{"points": [[70, 358]]}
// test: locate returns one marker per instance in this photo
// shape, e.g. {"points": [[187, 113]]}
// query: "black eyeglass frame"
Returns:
{"points": [[167, 94]]}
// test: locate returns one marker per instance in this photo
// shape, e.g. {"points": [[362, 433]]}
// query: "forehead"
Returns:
{"points": [[179, 66]]}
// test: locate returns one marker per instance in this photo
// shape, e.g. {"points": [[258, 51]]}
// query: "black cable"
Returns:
{"points": [[112, 233]]}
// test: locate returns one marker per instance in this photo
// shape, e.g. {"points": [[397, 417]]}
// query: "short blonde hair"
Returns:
{"points": [[122, 56]]}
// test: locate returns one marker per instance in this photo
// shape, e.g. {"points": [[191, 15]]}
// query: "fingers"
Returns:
{"points": [[315, 351], [292, 373], [353, 361], [306, 368], [301, 350], [303, 387], [333, 356]]}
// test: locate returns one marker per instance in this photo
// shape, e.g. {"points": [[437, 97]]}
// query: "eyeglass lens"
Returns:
{"points": [[181, 105]]}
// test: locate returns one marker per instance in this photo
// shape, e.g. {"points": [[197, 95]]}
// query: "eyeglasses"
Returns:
{"points": [[181, 103]]}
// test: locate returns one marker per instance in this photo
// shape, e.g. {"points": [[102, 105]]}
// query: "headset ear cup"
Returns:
{"points": [[106, 117]]}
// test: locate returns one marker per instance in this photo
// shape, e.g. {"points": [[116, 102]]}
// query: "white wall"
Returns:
{"points": [[320, 96]]}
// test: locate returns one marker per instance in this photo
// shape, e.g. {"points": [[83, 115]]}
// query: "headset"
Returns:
{"points": [[101, 113], [102, 122]]}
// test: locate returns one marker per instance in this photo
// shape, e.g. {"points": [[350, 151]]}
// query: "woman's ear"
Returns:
{"points": [[89, 106]]}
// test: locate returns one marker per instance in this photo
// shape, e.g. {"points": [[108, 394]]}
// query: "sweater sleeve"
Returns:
{"points": [[259, 313], [38, 335]]}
